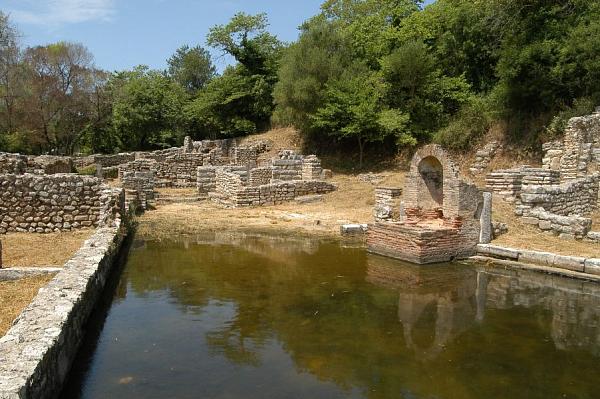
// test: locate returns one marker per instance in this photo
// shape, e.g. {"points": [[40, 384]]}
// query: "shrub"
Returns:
{"points": [[471, 122]]}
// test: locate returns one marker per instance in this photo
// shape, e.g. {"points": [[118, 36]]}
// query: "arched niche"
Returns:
{"points": [[431, 172]]}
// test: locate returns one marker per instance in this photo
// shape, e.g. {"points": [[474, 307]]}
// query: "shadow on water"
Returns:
{"points": [[228, 315]]}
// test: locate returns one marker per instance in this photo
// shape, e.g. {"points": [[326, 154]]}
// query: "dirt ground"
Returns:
{"points": [[39, 250], [15, 296], [351, 203]]}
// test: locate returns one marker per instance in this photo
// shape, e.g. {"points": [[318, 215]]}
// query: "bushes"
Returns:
{"points": [[471, 122], [558, 124]]}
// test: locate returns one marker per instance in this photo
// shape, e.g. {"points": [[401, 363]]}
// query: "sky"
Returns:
{"points": [[124, 33]]}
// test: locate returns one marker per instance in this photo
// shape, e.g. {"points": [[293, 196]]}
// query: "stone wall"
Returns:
{"points": [[311, 168], [113, 159], [576, 197], [553, 152], [484, 156], [387, 204], [247, 156], [12, 163], [508, 183], [287, 169], [580, 146], [37, 352], [206, 180], [260, 176], [50, 203], [139, 189]]}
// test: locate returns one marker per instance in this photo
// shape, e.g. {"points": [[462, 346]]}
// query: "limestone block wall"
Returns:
{"points": [[576, 197], [49, 164], [580, 147], [287, 169], [311, 168], [206, 180], [387, 204], [139, 189], [50, 203], [139, 165], [278, 192], [508, 183], [553, 152], [260, 176], [244, 156], [179, 170]]}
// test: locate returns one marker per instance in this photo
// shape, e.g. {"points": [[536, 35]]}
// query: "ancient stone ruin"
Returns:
{"points": [[284, 178], [439, 218], [560, 196]]}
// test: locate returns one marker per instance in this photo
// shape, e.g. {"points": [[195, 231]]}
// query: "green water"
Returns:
{"points": [[228, 316]]}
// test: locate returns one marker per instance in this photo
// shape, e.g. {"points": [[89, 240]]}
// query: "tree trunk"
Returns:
{"points": [[361, 146]]}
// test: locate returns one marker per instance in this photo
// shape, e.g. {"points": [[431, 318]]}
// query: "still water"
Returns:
{"points": [[232, 316]]}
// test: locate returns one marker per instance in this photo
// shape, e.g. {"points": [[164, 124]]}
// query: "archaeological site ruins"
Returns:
{"points": [[438, 217]]}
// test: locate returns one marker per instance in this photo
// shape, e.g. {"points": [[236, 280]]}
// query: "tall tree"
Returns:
{"points": [[11, 77], [191, 67]]}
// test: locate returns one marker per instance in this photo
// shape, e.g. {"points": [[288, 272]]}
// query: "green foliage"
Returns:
{"points": [[319, 55], [471, 122], [87, 170], [147, 109], [558, 124], [191, 67]]}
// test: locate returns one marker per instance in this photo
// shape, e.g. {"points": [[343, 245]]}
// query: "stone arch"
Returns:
{"points": [[432, 181], [432, 176]]}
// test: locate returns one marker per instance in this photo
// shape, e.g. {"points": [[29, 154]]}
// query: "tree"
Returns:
{"points": [[319, 55], [354, 109], [11, 78], [60, 80], [246, 39], [147, 109], [191, 67]]}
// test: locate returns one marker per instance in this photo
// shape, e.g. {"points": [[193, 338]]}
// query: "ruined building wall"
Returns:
{"points": [[387, 204], [260, 176], [60, 202], [311, 168], [139, 189]]}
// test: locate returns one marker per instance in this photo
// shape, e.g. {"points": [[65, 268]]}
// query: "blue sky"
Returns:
{"points": [[124, 33]]}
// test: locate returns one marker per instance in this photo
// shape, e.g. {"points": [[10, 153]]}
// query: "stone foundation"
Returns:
{"points": [[387, 204]]}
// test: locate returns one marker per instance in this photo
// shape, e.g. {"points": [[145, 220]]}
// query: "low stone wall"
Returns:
{"points": [[114, 159], [287, 169], [260, 176], [568, 227], [37, 352], [559, 262], [575, 197], [387, 204], [48, 203], [508, 183], [231, 191], [247, 156], [139, 189], [12, 163], [311, 168]]}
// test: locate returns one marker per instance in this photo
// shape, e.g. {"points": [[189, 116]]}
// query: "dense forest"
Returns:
{"points": [[382, 74]]}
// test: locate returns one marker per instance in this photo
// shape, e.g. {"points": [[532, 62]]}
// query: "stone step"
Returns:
{"points": [[174, 199]]}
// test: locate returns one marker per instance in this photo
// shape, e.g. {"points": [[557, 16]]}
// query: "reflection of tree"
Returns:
{"points": [[400, 333]]}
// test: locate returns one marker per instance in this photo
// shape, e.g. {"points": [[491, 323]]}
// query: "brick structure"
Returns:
{"points": [[442, 213]]}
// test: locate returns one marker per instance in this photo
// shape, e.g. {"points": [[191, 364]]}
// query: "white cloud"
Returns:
{"points": [[54, 13]]}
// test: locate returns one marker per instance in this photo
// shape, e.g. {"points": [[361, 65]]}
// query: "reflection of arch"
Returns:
{"points": [[432, 174]]}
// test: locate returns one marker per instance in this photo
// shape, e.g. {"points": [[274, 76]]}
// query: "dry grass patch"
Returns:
{"points": [[351, 203], [15, 296], [31, 250], [521, 235], [175, 192]]}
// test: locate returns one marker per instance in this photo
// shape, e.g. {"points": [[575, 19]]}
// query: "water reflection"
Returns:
{"points": [[228, 315]]}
